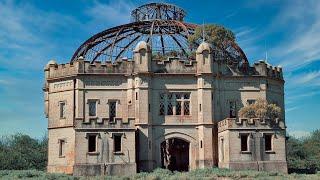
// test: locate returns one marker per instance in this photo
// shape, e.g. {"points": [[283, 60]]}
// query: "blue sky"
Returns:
{"points": [[35, 31]]}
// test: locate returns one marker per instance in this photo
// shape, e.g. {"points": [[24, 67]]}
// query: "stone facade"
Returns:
{"points": [[121, 117]]}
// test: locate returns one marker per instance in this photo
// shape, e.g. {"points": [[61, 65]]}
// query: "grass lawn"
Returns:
{"points": [[209, 173]]}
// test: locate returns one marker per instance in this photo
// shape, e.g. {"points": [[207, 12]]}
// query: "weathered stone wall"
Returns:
{"points": [[256, 157], [65, 163], [136, 87]]}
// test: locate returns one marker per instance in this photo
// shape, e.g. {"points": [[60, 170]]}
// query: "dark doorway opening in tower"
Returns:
{"points": [[175, 154]]}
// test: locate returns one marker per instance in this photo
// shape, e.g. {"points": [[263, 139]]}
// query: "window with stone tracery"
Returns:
{"points": [[175, 103]]}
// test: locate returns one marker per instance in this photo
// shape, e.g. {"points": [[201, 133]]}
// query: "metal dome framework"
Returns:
{"points": [[160, 25]]}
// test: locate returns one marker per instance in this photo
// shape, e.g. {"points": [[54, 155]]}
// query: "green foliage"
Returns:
{"points": [[260, 109], [22, 152], [158, 174], [214, 34], [32, 174], [304, 153]]}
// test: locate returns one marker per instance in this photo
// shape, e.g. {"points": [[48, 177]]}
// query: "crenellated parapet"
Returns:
{"points": [[117, 123], [265, 69], [250, 123], [144, 61]]}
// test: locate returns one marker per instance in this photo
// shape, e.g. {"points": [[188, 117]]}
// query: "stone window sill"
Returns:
{"points": [[61, 156], [245, 152], [118, 153], [93, 153], [270, 152], [93, 117]]}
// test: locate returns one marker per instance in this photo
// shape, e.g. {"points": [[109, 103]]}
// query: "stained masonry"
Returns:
{"points": [[136, 114]]}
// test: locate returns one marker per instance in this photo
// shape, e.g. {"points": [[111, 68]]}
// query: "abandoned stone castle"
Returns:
{"points": [[133, 99]]}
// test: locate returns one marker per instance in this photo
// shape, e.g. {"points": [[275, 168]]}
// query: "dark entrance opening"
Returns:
{"points": [[175, 154]]}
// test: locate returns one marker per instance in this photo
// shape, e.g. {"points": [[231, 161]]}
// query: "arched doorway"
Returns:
{"points": [[175, 154]]}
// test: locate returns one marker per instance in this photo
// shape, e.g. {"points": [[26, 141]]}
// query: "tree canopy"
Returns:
{"points": [[20, 151], [260, 109], [214, 34]]}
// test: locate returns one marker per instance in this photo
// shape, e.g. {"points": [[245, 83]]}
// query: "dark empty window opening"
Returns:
{"points": [[136, 95], [251, 101], [268, 142], [201, 144], [112, 110], [92, 143], [244, 142], [117, 142], [200, 107], [61, 147], [149, 108]]}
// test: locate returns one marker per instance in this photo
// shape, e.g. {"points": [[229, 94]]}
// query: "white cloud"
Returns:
{"points": [[299, 134], [4, 82], [311, 78], [110, 14], [291, 109], [301, 47], [25, 34]]}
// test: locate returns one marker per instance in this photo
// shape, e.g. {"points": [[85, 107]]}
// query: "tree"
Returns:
{"points": [[20, 151], [261, 109], [216, 35]]}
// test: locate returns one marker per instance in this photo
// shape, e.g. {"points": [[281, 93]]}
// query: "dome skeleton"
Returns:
{"points": [[161, 25]]}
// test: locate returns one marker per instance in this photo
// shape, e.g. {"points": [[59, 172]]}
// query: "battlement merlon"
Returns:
{"points": [[265, 69], [250, 124], [143, 61]]}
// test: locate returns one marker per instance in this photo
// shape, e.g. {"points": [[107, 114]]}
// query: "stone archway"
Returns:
{"points": [[175, 154]]}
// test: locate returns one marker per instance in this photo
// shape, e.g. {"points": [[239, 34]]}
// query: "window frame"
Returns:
{"points": [[247, 135], [251, 99], [62, 144], [117, 102], [168, 103], [96, 135], [96, 101], [271, 142], [121, 135], [62, 112]]}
